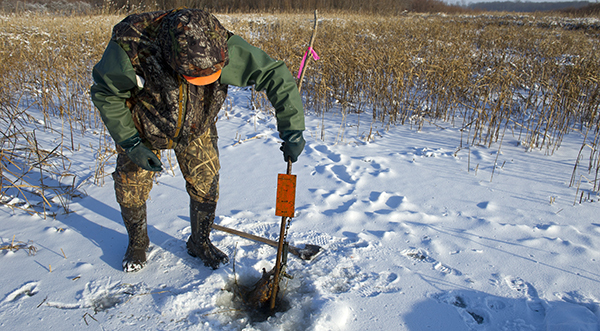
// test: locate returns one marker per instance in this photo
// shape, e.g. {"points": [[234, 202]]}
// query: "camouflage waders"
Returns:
{"points": [[135, 223], [202, 216], [199, 164], [140, 90]]}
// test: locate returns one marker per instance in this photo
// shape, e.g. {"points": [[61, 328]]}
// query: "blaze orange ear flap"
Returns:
{"points": [[204, 80]]}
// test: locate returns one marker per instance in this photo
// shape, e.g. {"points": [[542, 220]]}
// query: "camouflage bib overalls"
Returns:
{"points": [[168, 112]]}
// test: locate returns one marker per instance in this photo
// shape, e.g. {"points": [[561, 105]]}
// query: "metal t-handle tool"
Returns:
{"points": [[285, 207]]}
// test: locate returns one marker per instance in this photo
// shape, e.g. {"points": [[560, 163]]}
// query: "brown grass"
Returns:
{"points": [[18, 245], [535, 78], [45, 65], [90, 7]]}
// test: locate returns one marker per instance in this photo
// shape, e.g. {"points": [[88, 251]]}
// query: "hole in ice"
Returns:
{"points": [[244, 297]]}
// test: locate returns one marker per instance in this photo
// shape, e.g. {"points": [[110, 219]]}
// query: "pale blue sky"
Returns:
{"points": [[472, 1]]}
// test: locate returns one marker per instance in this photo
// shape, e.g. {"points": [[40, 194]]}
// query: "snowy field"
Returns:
{"points": [[417, 235]]}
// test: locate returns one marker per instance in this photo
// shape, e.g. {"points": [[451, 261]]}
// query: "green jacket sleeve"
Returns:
{"points": [[114, 79], [249, 65]]}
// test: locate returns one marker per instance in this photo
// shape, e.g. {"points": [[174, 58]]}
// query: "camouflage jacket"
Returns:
{"points": [[137, 91]]}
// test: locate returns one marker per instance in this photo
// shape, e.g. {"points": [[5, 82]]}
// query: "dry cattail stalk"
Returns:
{"points": [[491, 75]]}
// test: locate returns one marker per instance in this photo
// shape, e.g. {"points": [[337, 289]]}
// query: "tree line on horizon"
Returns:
{"points": [[381, 7], [376, 7], [527, 6]]}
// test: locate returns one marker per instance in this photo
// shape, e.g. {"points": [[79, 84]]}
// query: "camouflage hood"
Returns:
{"points": [[194, 43], [162, 46]]}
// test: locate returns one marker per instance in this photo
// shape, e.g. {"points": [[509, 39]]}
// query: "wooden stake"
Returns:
{"points": [[308, 57]]}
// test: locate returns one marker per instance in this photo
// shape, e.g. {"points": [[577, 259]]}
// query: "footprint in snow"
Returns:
{"points": [[385, 201], [331, 155], [343, 279], [342, 174], [534, 303], [421, 255], [481, 311], [338, 172], [384, 282], [469, 308]]}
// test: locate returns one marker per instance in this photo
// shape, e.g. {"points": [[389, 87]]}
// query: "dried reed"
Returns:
{"points": [[15, 246], [536, 78]]}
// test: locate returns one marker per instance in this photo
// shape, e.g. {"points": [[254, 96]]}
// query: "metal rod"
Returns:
{"points": [[306, 253], [280, 248]]}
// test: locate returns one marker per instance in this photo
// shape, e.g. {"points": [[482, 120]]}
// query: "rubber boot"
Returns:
{"points": [[202, 217], [135, 223]]}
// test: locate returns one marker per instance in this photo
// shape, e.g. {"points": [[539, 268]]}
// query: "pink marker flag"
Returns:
{"points": [[314, 55]]}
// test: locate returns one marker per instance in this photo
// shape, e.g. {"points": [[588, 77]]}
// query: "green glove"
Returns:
{"points": [[140, 154], [293, 144]]}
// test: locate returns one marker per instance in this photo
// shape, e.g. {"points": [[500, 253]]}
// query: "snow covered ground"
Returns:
{"points": [[417, 236]]}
